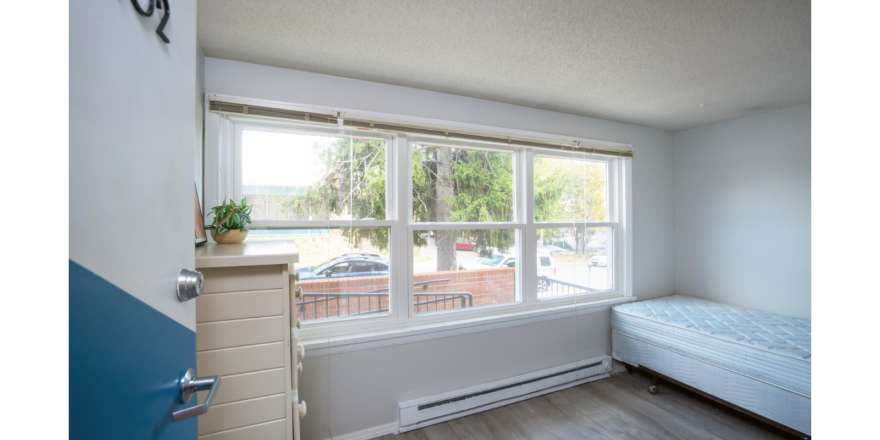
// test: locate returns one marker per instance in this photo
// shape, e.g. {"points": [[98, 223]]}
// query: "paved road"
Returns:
{"points": [[590, 276]]}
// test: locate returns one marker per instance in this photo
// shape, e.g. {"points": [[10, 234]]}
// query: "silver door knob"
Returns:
{"points": [[189, 385], [189, 284]]}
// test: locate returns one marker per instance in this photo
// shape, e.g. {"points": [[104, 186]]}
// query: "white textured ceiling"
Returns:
{"points": [[646, 62]]}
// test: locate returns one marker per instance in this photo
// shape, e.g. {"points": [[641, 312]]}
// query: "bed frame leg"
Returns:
{"points": [[655, 385]]}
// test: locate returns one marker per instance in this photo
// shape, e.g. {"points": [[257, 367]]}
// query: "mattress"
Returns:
{"points": [[773, 349]]}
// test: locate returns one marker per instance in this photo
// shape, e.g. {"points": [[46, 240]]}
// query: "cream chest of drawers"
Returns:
{"points": [[244, 333]]}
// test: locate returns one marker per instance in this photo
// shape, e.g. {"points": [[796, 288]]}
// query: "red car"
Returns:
{"points": [[464, 244]]}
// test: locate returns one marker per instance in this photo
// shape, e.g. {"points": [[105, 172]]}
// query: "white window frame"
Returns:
{"points": [[399, 220], [234, 175]]}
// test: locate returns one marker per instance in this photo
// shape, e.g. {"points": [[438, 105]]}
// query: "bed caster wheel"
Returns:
{"points": [[653, 389]]}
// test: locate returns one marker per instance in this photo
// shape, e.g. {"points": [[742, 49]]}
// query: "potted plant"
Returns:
{"points": [[230, 222]]}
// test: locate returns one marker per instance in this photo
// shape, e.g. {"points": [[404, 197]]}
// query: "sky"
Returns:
{"points": [[282, 159]]}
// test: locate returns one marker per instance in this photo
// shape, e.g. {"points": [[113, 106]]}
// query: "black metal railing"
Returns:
{"points": [[345, 304], [354, 304], [370, 302], [465, 299], [550, 288]]}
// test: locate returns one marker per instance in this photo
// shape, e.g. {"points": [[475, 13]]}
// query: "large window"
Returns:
{"points": [[395, 230], [571, 212], [326, 192]]}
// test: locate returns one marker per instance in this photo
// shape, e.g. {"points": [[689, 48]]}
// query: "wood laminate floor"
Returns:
{"points": [[619, 407]]}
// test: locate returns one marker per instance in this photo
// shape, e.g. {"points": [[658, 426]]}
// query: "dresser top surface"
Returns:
{"points": [[254, 253]]}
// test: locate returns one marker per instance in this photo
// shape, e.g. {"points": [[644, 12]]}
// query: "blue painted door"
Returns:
{"points": [[125, 360], [133, 133]]}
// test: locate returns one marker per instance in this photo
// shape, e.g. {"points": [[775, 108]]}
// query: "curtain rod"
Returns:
{"points": [[320, 118]]}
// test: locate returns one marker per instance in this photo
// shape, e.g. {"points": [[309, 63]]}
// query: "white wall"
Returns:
{"points": [[362, 388], [742, 212], [132, 129]]}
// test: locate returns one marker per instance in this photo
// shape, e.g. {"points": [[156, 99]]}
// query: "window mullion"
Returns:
{"points": [[529, 244], [403, 214], [624, 245]]}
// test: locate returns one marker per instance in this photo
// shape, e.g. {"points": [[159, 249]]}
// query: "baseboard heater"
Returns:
{"points": [[427, 411]]}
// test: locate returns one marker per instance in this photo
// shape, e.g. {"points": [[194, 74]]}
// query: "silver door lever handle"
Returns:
{"points": [[189, 385]]}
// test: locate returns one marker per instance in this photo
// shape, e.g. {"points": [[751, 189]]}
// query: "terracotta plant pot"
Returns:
{"points": [[229, 237]]}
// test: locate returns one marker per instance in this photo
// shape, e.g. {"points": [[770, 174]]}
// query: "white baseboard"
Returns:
{"points": [[369, 433]]}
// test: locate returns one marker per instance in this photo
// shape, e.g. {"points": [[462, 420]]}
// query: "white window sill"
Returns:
{"points": [[322, 346]]}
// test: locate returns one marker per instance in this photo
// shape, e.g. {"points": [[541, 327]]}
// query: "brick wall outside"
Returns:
{"points": [[487, 286]]}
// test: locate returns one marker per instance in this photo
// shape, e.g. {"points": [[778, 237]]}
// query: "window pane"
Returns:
{"points": [[343, 272], [461, 185], [573, 261], [289, 176], [570, 190], [463, 269]]}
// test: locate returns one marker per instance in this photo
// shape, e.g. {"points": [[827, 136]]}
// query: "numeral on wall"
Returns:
{"points": [[149, 12]]}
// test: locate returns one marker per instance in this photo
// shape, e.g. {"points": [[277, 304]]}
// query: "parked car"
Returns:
{"points": [[496, 260], [546, 265], [599, 260], [345, 266], [547, 269], [464, 244]]}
